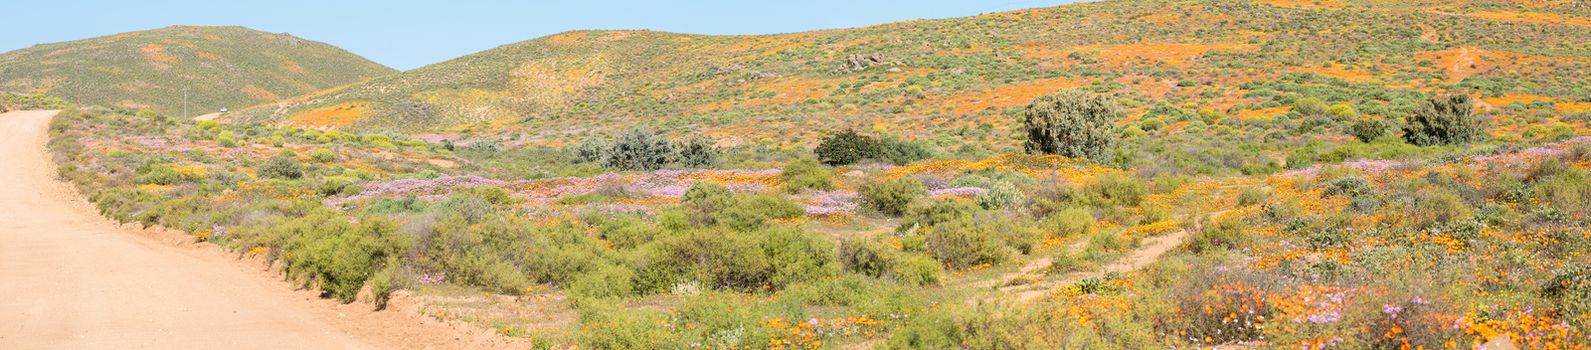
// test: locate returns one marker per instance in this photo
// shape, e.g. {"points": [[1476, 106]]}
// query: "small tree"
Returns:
{"points": [[1309, 106], [589, 151], [695, 152], [893, 197], [1370, 129], [639, 149], [282, 167], [846, 148], [1445, 120], [1072, 123]]}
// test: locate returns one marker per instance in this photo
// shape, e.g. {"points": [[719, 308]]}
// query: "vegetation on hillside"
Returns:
{"points": [[1119, 174], [219, 67]]}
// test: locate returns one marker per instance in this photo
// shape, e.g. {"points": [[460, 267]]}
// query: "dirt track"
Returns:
{"points": [[71, 279]]}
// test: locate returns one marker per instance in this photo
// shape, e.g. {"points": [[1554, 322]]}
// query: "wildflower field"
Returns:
{"points": [[1210, 174]]}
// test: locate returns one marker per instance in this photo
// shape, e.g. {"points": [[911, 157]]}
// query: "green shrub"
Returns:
{"points": [[957, 327], [158, 174], [1114, 190], [866, 258], [806, 173], [1069, 222], [961, 244], [797, 256], [475, 255], [328, 251], [999, 195], [1350, 186], [1439, 206], [337, 185], [705, 199], [639, 149], [377, 140], [226, 139], [695, 152], [1309, 106], [849, 147], [892, 197], [1370, 129], [1253, 196], [846, 148], [1342, 112], [1447, 120], [924, 216], [718, 258], [323, 155], [900, 152], [752, 211], [589, 151], [916, 270], [1568, 191], [626, 231], [1229, 234], [610, 327], [1570, 286], [1072, 123], [608, 281], [282, 167]]}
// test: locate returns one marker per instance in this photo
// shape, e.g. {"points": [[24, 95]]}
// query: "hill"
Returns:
{"points": [[952, 77], [221, 67]]}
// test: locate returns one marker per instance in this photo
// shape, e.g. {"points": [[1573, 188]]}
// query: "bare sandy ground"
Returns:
{"points": [[72, 279]]}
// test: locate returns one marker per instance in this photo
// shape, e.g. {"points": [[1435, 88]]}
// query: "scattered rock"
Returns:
{"points": [[1501, 342]]}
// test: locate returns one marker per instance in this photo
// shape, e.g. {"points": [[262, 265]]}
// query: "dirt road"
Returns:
{"points": [[71, 279]]}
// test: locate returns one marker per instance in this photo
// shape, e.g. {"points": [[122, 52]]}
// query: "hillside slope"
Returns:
{"points": [[934, 77], [221, 67]]}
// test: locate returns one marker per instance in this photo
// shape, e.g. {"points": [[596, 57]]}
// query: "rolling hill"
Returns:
{"points": [[938, 78], [221, 67]]}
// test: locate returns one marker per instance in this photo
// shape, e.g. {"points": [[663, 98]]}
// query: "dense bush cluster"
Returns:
{"points": [[1444, 120], [1072, 123], [849, 147], [641, 149]]}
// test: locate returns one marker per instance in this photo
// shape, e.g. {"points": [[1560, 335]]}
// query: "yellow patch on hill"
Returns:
{"points": [[130, 104], [1010, 95], [1261, 114], [1464, 62], [208, 56], [258, 93], [157, 54], [1531, 17], [1304, 4], [1352, 74], [1170, 54], [340, 115], [1574, 107], [541, 85]]}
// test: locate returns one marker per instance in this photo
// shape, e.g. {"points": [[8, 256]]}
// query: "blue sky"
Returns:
{"points": [[407, 34]]}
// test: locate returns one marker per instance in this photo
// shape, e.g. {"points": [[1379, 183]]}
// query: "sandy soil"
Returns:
{"points": [[72, 279]]}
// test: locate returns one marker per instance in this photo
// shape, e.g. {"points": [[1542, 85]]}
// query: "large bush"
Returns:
{"points": [[1369, 129], [282, 167], [1072, 123], [892, 197], [695, 152], [849, 147], [806, 174], [639, 149], [327, 250], [1447, 120]]}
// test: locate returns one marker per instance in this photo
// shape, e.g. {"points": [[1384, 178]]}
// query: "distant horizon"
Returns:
{"points": [[405, 35]]}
